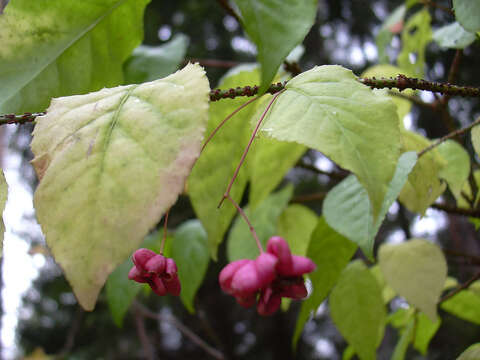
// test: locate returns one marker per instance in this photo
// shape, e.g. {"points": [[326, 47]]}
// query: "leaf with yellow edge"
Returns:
{"points": [[110, 163], [327, 109]]}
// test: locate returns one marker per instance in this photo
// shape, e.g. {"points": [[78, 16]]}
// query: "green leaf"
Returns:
{"points": [[149, 63], [392, 25], [331, 252], [472, 353], [264, 218], [475, 136], [423, 186], [465, 305], [357, 309], [425, 330], [387, 292], [453, 36], [405, 339], [214, 169], [400, 317], [296, 224], [106, 178], [327, 109], [403, 105], [467, 13], [68, 47], [416, 270], [347, 208], [276, 27], [190, 252], [348, 353], [416, 35], [457, 168], [269, 163], [121, 291], [3, 202]]}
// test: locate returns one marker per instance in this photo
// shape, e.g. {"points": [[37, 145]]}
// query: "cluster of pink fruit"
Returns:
{"points": [[274, 274]]}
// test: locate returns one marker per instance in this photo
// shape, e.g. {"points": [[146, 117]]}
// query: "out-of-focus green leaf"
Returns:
{"points": [[423, 186], [467, 13], [214, 169], [453, 36], [331, 252], [416, 270], [149, 63], [264, 218], [425, 330], [357, 309], [64, 47], [416, 35], [387, 292], [106, 178], [190, 252], [472, 353], [296, 224], [276, 27], [405, 339], [347, 207], [457, 168], [268, 164], [465, 305], [392, 25], [348, 122]]}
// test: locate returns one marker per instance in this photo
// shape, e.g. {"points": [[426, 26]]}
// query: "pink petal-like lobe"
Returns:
{"points": [[141, 256], [279, 247], [137, 275], [301, 265], [265, 264], [156, 264], [246, 279], [269, 302], [173, 286], [226, 275], [158, 286]]}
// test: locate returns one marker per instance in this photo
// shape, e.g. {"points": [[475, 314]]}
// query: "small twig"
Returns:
{"points": [[402, 82], [242, 159], [225, 64], [19, 119], [456, 210], [143, 336], [230, 10], [226, 119], [449, 136], [331, 174], [218, 94], [460, 287], [415, 99], [250, 226], [320, 196], [438, 6], [183, 329], [72, 332], [473, 258]]}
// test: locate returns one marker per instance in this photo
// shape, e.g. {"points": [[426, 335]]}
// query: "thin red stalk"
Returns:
{"points": [[250, 226], [235, 174], [226, 119], [165, 223]]}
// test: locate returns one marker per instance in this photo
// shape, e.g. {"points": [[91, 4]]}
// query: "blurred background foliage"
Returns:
{"points": [[344, 34]]}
